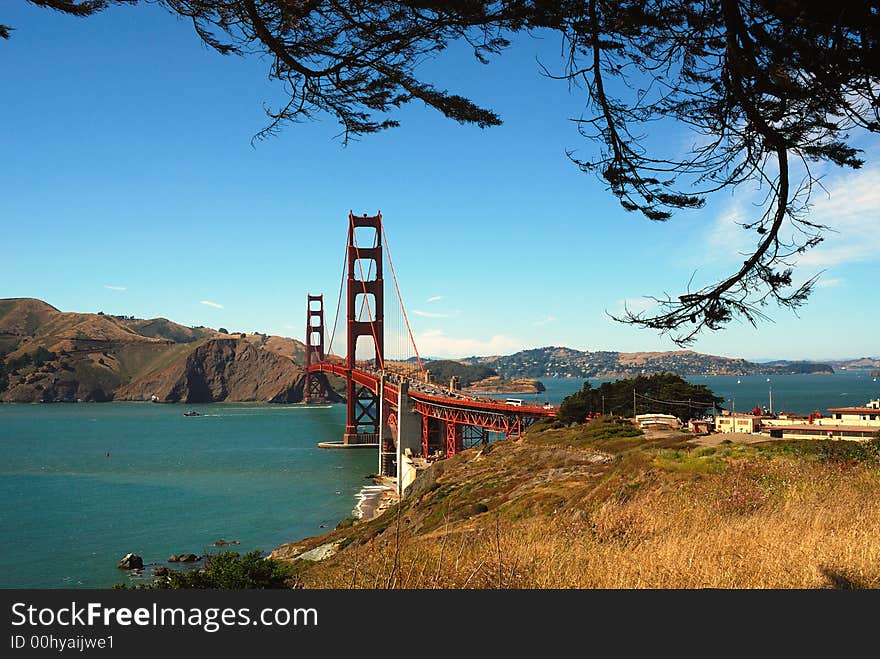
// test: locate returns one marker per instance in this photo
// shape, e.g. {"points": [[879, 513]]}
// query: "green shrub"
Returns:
{"points": [[228, 570]]}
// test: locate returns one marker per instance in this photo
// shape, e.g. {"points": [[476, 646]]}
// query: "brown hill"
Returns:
{"points": [[49, 355], [20, 317]]}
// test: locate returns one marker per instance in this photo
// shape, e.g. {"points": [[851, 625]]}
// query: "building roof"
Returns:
{"points": [[824, 429], [855, 410]]}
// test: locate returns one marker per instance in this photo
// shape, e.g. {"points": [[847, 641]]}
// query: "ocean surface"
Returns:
{"points": [[83, 484]]}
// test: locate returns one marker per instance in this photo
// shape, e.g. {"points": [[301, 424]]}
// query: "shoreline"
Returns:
{"points": [[372, 500]]}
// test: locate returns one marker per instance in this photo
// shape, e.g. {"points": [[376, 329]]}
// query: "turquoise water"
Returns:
{"points": [[171, 484], [800, 394], [252, 473]]}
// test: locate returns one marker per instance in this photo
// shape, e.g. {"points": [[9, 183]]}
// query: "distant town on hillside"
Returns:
{"points": [[556, 361]]}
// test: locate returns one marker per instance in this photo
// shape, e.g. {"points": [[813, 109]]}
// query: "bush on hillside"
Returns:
{"points": [[228, 570], [663, 393]]}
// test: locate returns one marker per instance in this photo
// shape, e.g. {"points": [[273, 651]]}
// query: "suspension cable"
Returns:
{"points": [[400, 299], [339, 299]]}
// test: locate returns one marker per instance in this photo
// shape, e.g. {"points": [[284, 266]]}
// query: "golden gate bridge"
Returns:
{"points": [[391, 403]]}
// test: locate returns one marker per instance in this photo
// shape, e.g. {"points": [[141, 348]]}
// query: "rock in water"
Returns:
{"points": [[173, 558], [131, 562], [187, 558]]}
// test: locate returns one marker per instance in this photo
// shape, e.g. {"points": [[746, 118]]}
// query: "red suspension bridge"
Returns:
{"points": [[391, 403]]}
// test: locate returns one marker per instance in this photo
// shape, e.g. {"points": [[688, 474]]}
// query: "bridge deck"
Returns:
{"points": [[439, 397]]}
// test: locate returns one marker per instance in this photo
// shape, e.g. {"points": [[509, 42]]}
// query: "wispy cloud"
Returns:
{"points": [[831, 282], [436, 343], [115, 288], [850, 207], [727, 239], [544, 321], [208, 303], [429, 314], [435, 298]]}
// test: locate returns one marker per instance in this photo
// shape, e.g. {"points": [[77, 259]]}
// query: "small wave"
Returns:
{"points": [[369, 496]]}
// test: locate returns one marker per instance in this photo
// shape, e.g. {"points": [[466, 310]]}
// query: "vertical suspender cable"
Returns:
{"points": [[339, 299], [400, 299]]}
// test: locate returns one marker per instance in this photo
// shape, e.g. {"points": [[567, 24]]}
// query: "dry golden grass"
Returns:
{"points": [[763, 521], [816, 533]]}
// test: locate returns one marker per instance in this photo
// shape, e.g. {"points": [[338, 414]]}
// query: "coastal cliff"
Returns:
{"points": [[224, 369]]}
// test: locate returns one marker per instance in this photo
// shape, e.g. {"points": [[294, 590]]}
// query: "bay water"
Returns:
{"points": [[797, 394], [83, 484]]}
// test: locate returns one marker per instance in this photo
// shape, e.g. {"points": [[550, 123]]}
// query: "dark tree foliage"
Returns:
{"points": [[768, 88], [663, 393], [443, 369]]}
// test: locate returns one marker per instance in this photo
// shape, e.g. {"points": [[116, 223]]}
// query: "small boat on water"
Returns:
{"points": [[192, 413]]}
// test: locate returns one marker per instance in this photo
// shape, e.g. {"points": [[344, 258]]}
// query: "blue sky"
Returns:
{"points": [[130, 185]]}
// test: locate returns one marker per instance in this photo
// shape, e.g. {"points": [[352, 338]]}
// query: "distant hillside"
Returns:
{"points": [[556, 361], [49, 355], [860, 364]]}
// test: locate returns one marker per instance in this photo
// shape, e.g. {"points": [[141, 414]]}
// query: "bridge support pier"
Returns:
{"points": [[431, 440], [453, 438], [408, 439]]}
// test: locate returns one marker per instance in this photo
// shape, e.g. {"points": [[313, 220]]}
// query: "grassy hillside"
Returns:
{"points": [[601, 506]]}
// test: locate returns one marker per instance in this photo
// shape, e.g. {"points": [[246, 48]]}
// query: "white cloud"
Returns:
{"points": [[211, 304], [435, 298], [727, 239], [852, 208], [115, 288], [429, 314], [544, 321], [829, 283], [849, 204], [436, 343]]}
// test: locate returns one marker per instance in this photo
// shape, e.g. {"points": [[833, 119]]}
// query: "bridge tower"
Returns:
{"points": [[314, 385], [362, 413]]}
